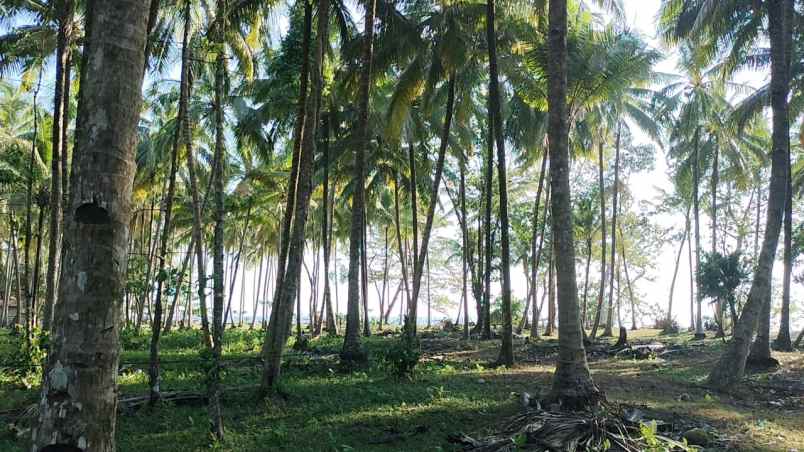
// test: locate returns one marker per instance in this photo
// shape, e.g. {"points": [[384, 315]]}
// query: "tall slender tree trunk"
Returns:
{"points": [[78, 405], [507, 349], [572, 387], [731, 366], [61, 104], [602, 288], [534, 323], [401, 249], [156, 321], [466, 247], [287, 285], [782, 341], [29, 308], [699, 329], [42, 205], [551, 295], [219, 212], [326, 226], [669, 318], [419, 262], [364, 272], [586, 280], [607, 332], [352, 349], [534, 253], [713, 189], [487, 236]]}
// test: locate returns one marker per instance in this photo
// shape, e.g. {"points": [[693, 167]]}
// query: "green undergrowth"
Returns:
{"points": [[319, 406]]}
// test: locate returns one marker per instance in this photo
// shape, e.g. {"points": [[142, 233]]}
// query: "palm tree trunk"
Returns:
{"points": [[419, 262], [184, 263], [156, 321], [364, 273], [236, 265], [631, 300], [586, 280], [64, 10], [219, 212], [352, 350], [507, 348], [572, 384], [29, 311], [731, 366], [84, 354], [782, 341], [487, 250], [607, 332], [675, 270], [602, 288], [397, 225], [551, 295], [42, 204], [534, 265], [326, 236], [466, 248], [714, 188], [699, 330], [534, 323]]}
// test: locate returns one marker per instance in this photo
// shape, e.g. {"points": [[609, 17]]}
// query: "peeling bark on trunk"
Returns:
{"points": [[78, 405]]}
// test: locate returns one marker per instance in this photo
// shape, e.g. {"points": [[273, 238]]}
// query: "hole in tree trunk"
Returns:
{"points": [[92, 213], [60, 448]]}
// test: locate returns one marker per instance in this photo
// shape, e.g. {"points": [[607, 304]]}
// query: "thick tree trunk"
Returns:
{"points": [[78, 406], [731, 366], [418, 269], [602, 288], [572, 387], [352, 349]]}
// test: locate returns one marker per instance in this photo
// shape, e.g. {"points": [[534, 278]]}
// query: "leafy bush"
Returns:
{"points": [[402, 357], [26, 361], [668, 326]]}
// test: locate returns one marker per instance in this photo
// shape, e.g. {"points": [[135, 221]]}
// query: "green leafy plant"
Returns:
{"points": [[402, 357]]}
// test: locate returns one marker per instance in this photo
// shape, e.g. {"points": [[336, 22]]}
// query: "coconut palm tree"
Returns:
{"points": [[91, 287]]}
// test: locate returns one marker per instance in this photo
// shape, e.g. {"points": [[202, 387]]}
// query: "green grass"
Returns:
{"points": [[319, 406]]}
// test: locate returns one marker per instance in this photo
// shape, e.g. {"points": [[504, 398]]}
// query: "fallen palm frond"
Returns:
{"points": [[608, 428]]}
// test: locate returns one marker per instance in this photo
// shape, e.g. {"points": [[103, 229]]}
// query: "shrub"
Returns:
{"points": [[25, 363], [402, 357]]}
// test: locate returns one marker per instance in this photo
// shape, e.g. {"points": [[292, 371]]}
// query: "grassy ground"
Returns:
{"points": [[321, 407]]}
